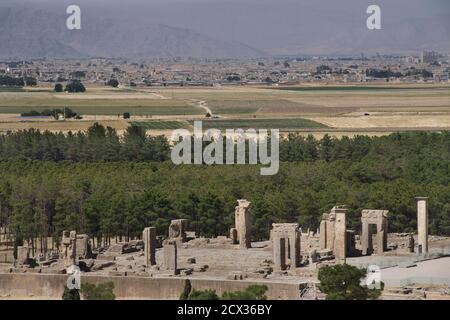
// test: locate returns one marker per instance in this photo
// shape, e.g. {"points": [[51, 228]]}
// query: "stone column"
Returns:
{"points": [[340, 236], [242, 224], [294, 249], [149, 237], [365, 238], [382, 237], [170, 256], [331, 231], [422, 225], [323, 235], [279, 253]]}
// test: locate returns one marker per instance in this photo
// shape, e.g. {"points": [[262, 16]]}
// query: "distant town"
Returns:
{"points": [[426, 67]]}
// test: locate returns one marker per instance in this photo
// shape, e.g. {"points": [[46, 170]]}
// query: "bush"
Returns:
{"points": [[102, 291], [209, 294], [126, 115], [75, 86], [113, 83], [59, 87]]}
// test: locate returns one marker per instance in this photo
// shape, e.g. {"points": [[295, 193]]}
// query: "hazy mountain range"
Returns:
{"points": [[39, 34], [220, 28]]}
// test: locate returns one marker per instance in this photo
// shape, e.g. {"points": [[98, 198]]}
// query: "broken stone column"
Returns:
{"points": [[170, 256], [177, 230], [69, 242], [340, 235], [23, 255], [242, 224], [149, 238], [411, 244], [83, 246], [422, 225]]}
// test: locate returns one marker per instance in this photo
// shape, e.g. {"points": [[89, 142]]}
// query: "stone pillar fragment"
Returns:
{"points": [[422, 225], [177, 230], [331, 231], [170, 256], [366, 239], [340, 236], [323, 232], [83, 247], [242, 224], [23, 254], [69, 242], [149, 238], [279, 254], [234, 236], [411, 244]]}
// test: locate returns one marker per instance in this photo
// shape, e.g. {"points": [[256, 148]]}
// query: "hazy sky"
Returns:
{"points": [[277, 25]]}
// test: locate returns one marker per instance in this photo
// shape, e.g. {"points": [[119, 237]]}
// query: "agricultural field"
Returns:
{"points": [[161, 125], [333, 108], [282, 124]]}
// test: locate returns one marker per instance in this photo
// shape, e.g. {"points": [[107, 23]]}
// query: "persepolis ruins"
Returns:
{"points": [[288, 262]]}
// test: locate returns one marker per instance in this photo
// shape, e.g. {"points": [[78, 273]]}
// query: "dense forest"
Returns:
{"points": [[103, 185]]}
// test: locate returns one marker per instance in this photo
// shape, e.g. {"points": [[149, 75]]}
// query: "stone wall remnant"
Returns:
{"points": [[170, 256]]}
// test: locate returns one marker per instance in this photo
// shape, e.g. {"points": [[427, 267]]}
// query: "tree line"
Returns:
{"points": [[103, 185]]}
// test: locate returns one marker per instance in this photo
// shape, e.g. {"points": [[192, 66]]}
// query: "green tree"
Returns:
{"points": [[208, 294], [343, 282], [75, 86], [253, 292], [59, 87], [187, 290]]}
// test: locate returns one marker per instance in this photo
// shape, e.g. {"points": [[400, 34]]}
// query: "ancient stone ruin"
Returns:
{"points": [[422, 225], [69, 251], [333, 233], [177, 230], [288, 254], [286, 245], [242, 224], [170, 256], [149, 238], [379, 219]]}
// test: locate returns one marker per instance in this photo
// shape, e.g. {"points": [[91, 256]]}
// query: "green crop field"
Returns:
{"points": [[161, 125]]}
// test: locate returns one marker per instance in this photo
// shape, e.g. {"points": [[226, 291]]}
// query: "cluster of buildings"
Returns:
{"points": [[204, 72]]}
